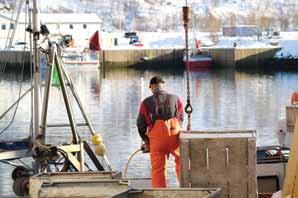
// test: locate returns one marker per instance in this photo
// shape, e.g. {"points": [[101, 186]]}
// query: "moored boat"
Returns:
{"points": [[198, 58], [198, 61], [88, 56], [271, 163]]}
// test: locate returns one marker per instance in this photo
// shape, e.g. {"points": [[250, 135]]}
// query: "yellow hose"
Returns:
{"points": [[130, 158]]}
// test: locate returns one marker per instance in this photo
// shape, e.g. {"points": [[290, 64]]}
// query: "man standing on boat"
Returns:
{"points": [[158, 122]]}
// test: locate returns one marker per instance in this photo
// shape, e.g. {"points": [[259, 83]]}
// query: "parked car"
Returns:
{"points": [[129, 34], [133, 40]]}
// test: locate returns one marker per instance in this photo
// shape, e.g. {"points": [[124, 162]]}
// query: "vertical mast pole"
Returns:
{"points": [[36, 69]]}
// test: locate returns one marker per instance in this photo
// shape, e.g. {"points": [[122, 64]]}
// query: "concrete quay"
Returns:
{"points": [[222, 57]]}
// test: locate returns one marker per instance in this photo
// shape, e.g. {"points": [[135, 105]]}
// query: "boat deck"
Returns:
{"points": [[107, 184]]}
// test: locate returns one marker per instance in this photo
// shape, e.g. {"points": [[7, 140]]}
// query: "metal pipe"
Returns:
{"points": [[15, 24], [36, 69], [31, 68], [65, 125], [75, 94], [9, 163], [207, 158], [81, 156], [47, 93], [67, 103], [227, 156]]}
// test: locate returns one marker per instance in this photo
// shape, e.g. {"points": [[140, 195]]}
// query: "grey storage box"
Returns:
{"points": [[220, 159]]}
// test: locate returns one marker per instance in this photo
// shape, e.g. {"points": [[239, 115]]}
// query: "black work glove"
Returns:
{"points": [[145, 148]]}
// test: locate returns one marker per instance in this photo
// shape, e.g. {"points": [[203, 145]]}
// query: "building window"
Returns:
{"points": [[70, 26], [84, 26], [11, 26], [3, 27]]}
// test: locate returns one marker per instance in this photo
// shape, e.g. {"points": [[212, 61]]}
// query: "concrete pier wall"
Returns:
{"points": [[11, 60], [131, 57], [241, 57], [14, 57], [222, 57]]}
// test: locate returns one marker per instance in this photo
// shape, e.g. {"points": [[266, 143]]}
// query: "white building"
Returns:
{"points": [[80, 26], [240, 30]]}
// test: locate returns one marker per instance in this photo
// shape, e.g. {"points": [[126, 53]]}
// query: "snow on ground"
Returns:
{"points": [[288, 41], [242, 42], [155, 40], [163, 40]]}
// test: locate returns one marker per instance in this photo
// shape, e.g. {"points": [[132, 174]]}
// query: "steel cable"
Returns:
{"points": [[21, 85]]}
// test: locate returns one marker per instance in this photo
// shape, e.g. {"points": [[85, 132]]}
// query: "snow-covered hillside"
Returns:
{"points": [[208, 15]]}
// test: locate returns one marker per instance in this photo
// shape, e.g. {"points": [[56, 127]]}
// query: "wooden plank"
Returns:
{"points": [[70, 148], [290, 184], [184, 158], [251, 163]]}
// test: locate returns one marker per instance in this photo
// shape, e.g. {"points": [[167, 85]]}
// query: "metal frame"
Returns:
{"points": [[74, 152], [43, 154]]}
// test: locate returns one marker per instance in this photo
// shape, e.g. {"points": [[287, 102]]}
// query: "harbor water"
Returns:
{"points": [[222, 99]]}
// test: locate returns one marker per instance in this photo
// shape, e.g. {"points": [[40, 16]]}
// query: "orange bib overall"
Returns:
{"points": [[164, 140], [294, 98]]}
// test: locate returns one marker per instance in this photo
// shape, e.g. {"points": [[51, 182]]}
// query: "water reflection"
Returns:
{"points": [[222, 99]]}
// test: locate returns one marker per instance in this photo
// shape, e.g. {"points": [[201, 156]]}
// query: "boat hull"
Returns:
{"points": [[199, 62]]}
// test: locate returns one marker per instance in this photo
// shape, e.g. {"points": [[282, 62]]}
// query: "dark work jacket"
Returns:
{"points": [[160, 106]]}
